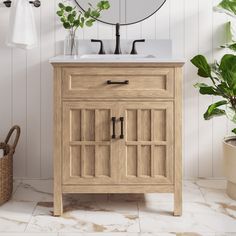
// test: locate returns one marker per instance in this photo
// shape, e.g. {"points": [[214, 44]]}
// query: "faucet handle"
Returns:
{"points": [[101, 51], [134, 51]]}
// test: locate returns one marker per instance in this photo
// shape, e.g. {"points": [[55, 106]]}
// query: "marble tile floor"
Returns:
{"points": [[207, 211]]}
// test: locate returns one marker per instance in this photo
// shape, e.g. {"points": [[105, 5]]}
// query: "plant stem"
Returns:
{"points": [[72, 35]]}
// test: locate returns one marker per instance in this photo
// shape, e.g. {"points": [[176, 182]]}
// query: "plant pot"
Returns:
{"points": [[229, 149]]}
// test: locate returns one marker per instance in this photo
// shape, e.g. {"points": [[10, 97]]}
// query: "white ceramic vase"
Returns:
{"points": [[229, 149]]}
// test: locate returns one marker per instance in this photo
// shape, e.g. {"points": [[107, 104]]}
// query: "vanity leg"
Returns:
{"points": [[178, 201], [58, 204], [57, 150], [178, 144]]}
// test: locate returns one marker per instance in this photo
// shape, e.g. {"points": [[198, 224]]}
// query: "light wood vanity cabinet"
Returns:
{"points": [[117, 138]]}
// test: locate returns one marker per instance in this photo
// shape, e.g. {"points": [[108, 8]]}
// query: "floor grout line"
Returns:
{"points": [[14, 192], [32, 214], [188, 185], [139, 220]]}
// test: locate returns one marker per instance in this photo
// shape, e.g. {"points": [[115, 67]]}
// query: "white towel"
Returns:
{"points": [[22, 28]]}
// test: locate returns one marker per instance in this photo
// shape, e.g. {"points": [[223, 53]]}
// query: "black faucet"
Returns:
{"points": [[117, 50]]}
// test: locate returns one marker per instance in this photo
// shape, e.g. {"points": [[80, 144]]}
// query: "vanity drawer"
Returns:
{"points": [[111, 82]]}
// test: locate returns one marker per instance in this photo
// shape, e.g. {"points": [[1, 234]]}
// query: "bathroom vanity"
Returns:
{"points": [[117, 127]]}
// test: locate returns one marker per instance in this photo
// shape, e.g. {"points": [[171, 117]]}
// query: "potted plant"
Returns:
{"points": [[72, 19], [222, 78]]}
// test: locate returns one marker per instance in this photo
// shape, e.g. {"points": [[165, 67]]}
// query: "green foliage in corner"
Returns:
{"points": [[231, 36], [73, 19], [227, 6], [222, 78]]}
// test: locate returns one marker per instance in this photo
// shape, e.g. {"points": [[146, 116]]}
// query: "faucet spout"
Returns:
{"points": [[118, 49]]}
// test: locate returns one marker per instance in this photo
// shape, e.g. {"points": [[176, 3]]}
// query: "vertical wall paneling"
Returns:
{"points": [[135, 31], [147, 28], [163, 21], [19, 108], [219, 123], [177, 32], [26, 82], [191, 138], [33, 90], [60, 32], [105, 31], [5, 79], [47, 51], [177, 27], [205, 127]]}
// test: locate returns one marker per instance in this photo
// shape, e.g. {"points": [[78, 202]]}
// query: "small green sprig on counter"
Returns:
{"points": [[73, 19]]}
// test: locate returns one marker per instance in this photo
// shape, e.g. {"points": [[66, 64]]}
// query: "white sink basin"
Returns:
{"points": [[116, 57]]}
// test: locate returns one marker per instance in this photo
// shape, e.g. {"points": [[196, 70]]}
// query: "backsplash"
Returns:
{"points": [[26, 82]]}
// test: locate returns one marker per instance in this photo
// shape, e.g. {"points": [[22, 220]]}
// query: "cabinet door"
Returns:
{"points": [[147, 147], [88, 147]]}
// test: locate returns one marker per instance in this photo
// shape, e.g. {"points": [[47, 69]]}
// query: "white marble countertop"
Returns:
{"points": [[113, 59]]}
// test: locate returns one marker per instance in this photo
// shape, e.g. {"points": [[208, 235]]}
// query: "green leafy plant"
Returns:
{"points": [[223, 83], [73, 19], [231, 36], [222, 76], [229, 7]]}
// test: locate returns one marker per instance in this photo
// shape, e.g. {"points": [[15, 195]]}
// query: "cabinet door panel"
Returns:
{"points": [[146, 152], [88, 149]]}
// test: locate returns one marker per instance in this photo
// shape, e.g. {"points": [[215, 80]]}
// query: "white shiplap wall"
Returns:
{"points": [[26, 82]]}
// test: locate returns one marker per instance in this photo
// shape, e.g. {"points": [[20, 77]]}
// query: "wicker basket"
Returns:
{"points": [[6, 165]]}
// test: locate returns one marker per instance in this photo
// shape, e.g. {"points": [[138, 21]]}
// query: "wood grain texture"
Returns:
{"points": [[182, 21], [87, 143], [178, 143], [57, 150], [137, 148], [117, 189], [82, 82], [145, 130]]}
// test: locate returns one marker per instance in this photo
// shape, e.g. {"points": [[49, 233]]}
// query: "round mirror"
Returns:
{"points": [[125, 12]]}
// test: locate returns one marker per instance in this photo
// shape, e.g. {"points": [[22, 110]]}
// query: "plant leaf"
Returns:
{"points": [[70, 18], [234, 131], [200, 85], [228, 69], [69, 8], [227, 6], [208, 91], [230, 36], [231, 113], [89, 23], [63, 20], [232, 47], [204, 69], [67, 25], [205, 89], [87, 13], [214, 111], [60, 13], [95, 14], [103, 5], [61, 5]]}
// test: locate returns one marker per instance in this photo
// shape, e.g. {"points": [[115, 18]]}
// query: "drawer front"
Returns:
{"points": [[118, 82]]}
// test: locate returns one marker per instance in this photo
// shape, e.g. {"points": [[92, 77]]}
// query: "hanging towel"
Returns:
{"points": [[22, 28]]}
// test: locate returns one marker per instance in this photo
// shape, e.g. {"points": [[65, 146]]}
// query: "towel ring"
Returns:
{"points": [[36, 3]]}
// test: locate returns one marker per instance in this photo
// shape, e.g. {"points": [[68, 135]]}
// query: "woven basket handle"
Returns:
{"points": [[17, 128]]}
